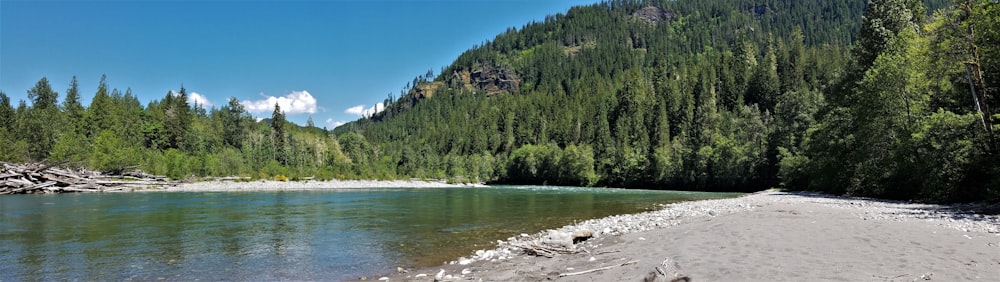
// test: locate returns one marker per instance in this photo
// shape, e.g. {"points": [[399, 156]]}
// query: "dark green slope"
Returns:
{"points": [[659, 94], [705, 95]]}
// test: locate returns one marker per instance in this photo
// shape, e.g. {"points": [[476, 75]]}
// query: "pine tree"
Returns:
{"points": [[43, 120], [6, 112], [234, 123], [71, 105], [278, 134], [42, 96]]}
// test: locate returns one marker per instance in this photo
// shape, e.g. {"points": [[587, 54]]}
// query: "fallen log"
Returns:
{"points": [[598, 269], [49, 178]]}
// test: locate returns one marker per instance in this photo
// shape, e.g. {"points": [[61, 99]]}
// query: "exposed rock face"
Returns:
{"points": [[426, 89], [492, 78], [654, 14], [495, 79]]}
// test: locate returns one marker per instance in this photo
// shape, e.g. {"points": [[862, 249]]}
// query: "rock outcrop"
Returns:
{"points": [[489, 77], [654, 14]]}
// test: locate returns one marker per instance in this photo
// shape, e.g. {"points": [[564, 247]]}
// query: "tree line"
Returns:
{"points": [[168, 137], [850, 97], [884, 98]]}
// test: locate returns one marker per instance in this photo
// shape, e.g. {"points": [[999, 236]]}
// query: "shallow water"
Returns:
{"points": [[289, 235]]}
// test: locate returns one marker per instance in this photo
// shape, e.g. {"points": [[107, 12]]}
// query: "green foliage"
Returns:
{"points": [[278, 134], [177, 164], [552, 165], [948, 157], [902, 128], [111, 153], [11, 148], [720, 95], [72, 147]]}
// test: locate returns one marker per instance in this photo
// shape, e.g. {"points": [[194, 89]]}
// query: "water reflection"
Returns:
{"points": [[280, 235]]}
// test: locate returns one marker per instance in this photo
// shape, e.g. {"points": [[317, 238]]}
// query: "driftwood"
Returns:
{"points": [[598, 269], [544, 250], [50, 178]]}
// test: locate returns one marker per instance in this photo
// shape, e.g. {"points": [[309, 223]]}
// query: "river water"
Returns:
{"points": [[285, 235]]}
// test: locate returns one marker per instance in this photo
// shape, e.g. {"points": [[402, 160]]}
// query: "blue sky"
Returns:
{"points": [[320, 58]]}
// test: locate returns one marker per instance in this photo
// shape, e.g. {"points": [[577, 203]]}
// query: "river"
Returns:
{"points": [[284, 235]]}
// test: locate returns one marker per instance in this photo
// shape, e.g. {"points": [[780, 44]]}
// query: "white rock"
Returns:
{"points": [[421, 275], [466, 271], [464, 261], [558, 239], [384, 279], [439, 275]]}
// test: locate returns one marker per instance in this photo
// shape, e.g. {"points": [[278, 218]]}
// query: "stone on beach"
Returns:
{"points": [[439, 276], [558, 239], [581, 235]]}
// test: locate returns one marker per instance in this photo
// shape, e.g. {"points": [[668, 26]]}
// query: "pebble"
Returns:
{"points": [[439, 275]]}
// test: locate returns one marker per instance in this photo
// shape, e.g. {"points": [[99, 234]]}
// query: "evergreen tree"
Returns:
{"points": [[6, 112], [73, 108], [234, 123], [42, 123], [278, 134]]}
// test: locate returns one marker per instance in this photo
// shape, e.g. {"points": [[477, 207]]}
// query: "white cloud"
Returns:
{"points": [[377, 108], [297, 102], [197, 99], [361, 111], [356, 110], [334, 123]]}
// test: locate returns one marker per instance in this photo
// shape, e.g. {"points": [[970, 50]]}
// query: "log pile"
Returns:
{"points": [[48, 178]]}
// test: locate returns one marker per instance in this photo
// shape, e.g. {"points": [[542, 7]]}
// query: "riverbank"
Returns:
{"points": [[272, 185], [762, 236]]}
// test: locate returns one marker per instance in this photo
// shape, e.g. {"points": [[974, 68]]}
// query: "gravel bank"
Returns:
{"points": [[762, 236]]}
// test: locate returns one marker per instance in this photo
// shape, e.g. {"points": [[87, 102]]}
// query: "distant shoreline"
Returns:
{"points": [[273, 185]]}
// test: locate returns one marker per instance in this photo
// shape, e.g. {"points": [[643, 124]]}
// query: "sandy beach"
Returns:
{"points": [[765, 236]]}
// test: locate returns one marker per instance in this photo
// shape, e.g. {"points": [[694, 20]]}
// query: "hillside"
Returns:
{"points": [[703, 95], [890, 98]]}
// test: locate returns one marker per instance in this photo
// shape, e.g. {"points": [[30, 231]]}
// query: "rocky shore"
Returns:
{"points": [[771, 235]]}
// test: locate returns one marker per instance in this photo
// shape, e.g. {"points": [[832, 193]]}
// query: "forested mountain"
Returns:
{"points": [[843, 96]]}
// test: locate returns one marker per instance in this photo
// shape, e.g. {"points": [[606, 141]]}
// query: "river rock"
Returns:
{"points": [[558, 239], [465, 261], [581, 235]]}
